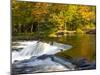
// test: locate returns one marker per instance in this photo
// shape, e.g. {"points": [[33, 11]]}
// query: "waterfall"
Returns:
{"points": [[37, 48], [37, 56]]}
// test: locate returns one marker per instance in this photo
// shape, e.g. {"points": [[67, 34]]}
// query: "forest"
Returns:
{"points": [[51, 19]]}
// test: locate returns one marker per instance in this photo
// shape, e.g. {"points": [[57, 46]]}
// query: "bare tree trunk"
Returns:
{"points": [[19, 27], [32, 28]]}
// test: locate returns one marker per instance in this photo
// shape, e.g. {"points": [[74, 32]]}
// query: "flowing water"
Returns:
{"points": [[39, 55], [83, 45], [36, 48], [75, 46]]}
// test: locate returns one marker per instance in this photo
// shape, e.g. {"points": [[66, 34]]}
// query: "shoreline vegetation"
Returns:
{"points": [[35, 36]]}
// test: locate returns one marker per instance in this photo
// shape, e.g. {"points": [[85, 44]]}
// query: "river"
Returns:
{"points": [[83, 45]]}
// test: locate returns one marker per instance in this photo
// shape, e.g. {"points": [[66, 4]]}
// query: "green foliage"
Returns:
{"points": [[47, 18], [78, 30]]}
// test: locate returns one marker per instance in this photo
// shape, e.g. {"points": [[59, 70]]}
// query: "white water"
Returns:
{"points": [[35, 48], [44, 65]]}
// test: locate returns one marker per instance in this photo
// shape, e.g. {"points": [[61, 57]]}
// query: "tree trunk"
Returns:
{"points": [[19, 27], [32, 28]]}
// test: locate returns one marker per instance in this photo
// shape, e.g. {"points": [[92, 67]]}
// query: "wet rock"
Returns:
{"points": [[91, 31], [44, 57], [43, 63], [22, 70], [91, 66], [84, 64], [79, 61]]}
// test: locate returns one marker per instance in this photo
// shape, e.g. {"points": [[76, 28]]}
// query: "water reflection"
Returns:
{"points": [[83, 46]]}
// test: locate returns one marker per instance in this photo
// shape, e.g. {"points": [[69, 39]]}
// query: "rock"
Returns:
{"points": [[94, 63], [60, 33], [22, 70], [44, 57], [84, 64], [91, 31], [36, 64], [91, 66], [33, 58]]}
